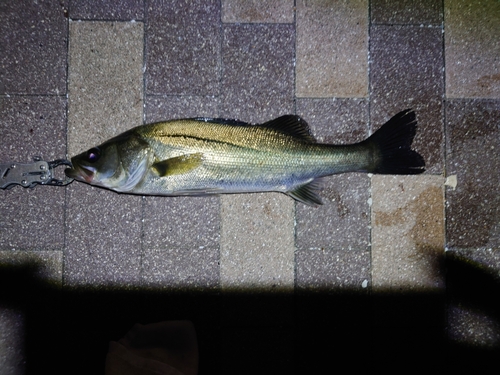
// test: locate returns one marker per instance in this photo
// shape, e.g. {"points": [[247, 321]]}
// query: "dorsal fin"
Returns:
{"points": [[292, 125], [224, 121]]}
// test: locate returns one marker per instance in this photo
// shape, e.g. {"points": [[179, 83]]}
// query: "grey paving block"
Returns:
{"points": [[123, 10], [32, 219], [472, 328], [183, 46], [336, 121], [258, 11], [47, 265], [332, 42], [33, 36], [343, 220], [12, 342], [32, 126], [472, 316], [473, 207], [181, 268], [273, 345], [330, 271], [406, 71], [472, 64], [407, 12], [257, 79], [162, 108], [103, 238], [28, 273]]}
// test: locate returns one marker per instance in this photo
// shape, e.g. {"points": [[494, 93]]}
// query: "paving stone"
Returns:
{"points": [[124, 10], [472, 64], [182, 268], [332, 42], [257, 242], [47, 265], [274, 346], [12, 342], [258, 11], [336, 121], [33, 219], [197, 66], [408, 12], [25, 279], [183, 46], [181, 234], [343, 220], [473, 276], [473, 328], [181, 242], [327, 271], [257, 79], [32, 126], [408, 233], [105, 81], [103, 230], [162, 108], [473, 141], [406, 71], [33, 36], [187, 222], [103, 238]]}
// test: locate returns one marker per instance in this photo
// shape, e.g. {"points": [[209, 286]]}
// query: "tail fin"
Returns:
{"points": [[392, 146]]}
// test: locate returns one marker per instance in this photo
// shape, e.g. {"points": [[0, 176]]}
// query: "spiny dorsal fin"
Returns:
{"points": [[307, 193], [292, 125], [178, 165], [223, 121]]}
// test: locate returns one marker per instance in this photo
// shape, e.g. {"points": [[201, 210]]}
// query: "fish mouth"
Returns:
{"points": [[80, 173]]}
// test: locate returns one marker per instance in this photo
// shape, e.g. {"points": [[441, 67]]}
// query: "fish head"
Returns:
{"points": [[118, 164]]}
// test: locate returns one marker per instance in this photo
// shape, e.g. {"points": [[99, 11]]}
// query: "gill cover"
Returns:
{"points": [[118, 164]]}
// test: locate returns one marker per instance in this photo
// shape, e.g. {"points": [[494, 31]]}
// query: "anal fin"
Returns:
{"points": [[307, 193]]}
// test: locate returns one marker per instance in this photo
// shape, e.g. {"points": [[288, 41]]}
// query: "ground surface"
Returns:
{"points": [[389, 269]]}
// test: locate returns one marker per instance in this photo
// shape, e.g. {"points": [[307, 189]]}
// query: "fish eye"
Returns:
{"points": [[93, 154]]}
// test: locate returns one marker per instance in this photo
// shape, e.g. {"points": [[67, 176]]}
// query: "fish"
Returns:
{"points": [[205, 156]]}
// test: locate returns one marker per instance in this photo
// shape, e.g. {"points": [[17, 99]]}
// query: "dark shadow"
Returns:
{"points": [[67, 330]]}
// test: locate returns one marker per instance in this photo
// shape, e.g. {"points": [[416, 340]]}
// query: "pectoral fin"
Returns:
{"points": [[178, 165]]}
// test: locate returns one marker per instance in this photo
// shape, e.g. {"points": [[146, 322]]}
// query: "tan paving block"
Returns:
{"points": [[105, 98], [257, 242], [332, 49], [255, 11], [407, 233], [472, 47], [105, 81]]}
